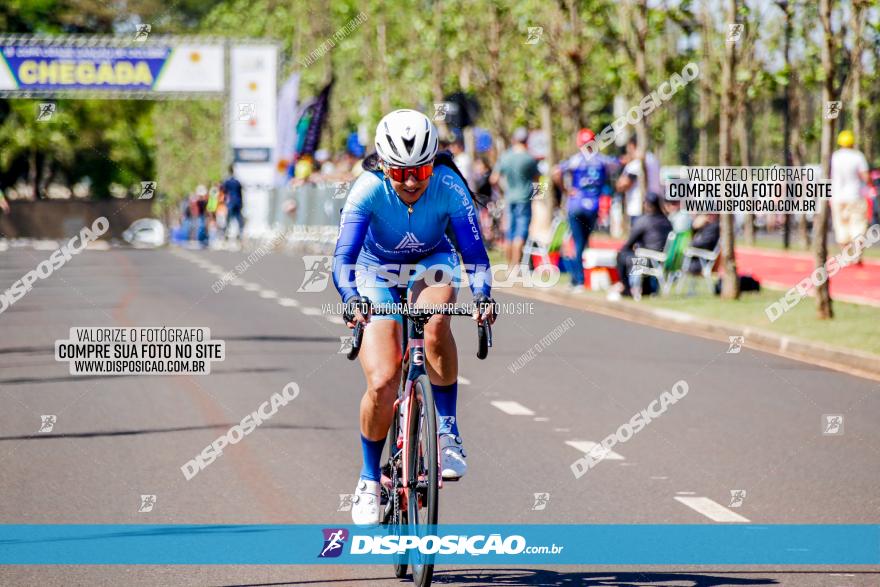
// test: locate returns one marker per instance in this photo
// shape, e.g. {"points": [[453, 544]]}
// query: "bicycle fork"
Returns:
{"points": [[416, 353]]}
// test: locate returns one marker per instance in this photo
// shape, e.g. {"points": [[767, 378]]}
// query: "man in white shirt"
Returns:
{"points": [[849, 173], [629, 180]]}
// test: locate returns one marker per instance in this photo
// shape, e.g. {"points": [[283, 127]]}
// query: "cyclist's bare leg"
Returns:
{"points": [[380, 360], [440, 348]]}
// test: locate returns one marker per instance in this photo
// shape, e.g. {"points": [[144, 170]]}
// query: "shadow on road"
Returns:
{"points": [[611, 579], [278, 338], [523, 577], [23, 380], [105, 433]]}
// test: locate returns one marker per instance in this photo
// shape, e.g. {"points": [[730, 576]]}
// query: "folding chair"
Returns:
{"points": [[558, 234], [661, 265], [707, 260]]}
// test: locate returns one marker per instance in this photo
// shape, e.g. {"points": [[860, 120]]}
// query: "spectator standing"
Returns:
{"points": [[874, 177], [462, 161], [520, 171], [649, 231], [234, 203], [849, 173], [589, 173], [200, 213], [631, 179]]}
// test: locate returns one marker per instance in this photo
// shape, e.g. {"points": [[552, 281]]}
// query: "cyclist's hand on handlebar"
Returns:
{"points": [[485, 309], [357, 311]]}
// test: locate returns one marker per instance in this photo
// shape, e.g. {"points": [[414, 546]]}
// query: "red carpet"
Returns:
{"points": [[780, 270]]}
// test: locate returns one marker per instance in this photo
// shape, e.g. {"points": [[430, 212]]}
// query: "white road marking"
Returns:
{"points": [[541, 419], [685, 493], [334, 319], [659, 478], [711, 509], [251, 286], [288, 302], [309, 311], [561, 429], [513, 408], [464, 380], [268, 294], [595, 449]]}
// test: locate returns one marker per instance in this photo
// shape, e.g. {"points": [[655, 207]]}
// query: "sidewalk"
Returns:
{"points": [[783, 270]]}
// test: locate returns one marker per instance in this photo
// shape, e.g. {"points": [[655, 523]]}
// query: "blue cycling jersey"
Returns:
{"points": [[589, 174], [377, 227]]}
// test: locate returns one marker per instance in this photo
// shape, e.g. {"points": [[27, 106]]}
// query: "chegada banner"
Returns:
{"points": [[55, 66]]}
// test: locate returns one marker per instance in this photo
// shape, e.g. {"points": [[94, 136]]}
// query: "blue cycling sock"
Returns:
{"points": [[372, 450], [445, 397]]}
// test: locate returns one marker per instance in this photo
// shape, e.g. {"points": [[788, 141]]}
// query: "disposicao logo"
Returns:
{"points": [[334, 540]]}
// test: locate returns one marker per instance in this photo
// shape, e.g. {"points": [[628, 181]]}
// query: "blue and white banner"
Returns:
{"points": [[570, 544], [151, 68]]}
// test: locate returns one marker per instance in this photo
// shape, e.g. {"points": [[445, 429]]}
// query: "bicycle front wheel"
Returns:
{"points": [[396, 508], [422, 475]]}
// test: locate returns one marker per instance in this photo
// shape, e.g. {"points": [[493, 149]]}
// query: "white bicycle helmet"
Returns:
{"points": [[406, 138]]}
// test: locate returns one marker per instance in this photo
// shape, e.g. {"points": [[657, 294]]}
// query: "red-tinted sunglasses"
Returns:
{"points": [[399, 174]]}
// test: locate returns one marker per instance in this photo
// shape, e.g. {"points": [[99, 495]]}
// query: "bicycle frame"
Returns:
{"points": [[414, 361], [407, 485]]}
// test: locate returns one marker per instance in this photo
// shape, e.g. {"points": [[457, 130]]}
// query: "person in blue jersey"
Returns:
{"points": [[406, 220], [589, 172]]}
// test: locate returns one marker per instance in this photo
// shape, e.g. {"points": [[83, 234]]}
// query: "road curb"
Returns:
{"points": [[849, 361]]}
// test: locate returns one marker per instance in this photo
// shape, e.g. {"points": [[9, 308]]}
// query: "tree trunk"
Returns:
{"points": [[857, 23], [382, 48], [744, 114], [494, 81], [438, 67], [730, 279], [797, 147], [641, 24], [547, 127], [34, 174], [786, 112], [575, 60], [705, 90], [824, 310]]}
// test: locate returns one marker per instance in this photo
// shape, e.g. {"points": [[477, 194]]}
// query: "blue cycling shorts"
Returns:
{"points": [[437, 268]]}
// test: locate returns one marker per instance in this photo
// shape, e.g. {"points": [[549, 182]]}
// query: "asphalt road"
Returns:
{"points": [[750, 421]]}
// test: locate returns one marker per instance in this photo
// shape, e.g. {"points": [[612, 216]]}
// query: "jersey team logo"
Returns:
{"points": [[409, 242], [334, 540]]}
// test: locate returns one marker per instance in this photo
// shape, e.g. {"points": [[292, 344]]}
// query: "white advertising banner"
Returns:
{"points": [[192, 68], [253, 128], [56, 66]]}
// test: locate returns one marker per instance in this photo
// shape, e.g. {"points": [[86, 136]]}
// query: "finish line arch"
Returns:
{"points": [[243, 73]]}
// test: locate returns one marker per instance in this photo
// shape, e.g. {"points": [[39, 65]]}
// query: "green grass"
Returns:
{"points": [[854, 326]]}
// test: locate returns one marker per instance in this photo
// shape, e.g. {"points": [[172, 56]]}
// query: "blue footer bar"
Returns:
{"points": [[173, 544]]}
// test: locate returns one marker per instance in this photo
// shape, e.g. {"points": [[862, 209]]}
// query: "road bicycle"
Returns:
{"points": [[411, 477]]}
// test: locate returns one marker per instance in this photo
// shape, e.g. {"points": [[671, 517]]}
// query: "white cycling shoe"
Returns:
{"points": [[453, 465], [366, 504]]}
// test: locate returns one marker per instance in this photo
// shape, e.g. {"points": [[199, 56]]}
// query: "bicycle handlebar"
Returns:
{"points": [[484, 330]]}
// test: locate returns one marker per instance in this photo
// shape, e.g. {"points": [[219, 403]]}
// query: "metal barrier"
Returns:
{"points": [[318, 210]]}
